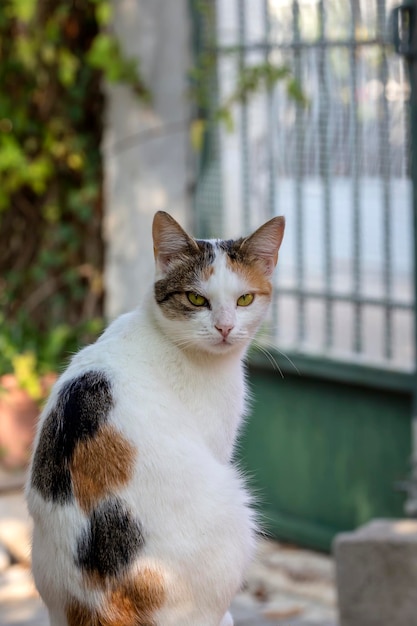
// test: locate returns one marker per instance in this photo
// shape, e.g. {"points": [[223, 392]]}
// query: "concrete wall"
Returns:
{"points": [[146, 148]]}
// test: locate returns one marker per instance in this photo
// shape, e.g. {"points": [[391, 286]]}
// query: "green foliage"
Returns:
{"points": [[53, 58], [30, 356], [25, 368], [51, 349]]}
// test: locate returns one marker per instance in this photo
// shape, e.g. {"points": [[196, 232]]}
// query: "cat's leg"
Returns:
{"points": [[227, 620], [57, 617]]}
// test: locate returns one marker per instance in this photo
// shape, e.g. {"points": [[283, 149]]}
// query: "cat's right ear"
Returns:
{"points": [[169, 240], [265, 242]]}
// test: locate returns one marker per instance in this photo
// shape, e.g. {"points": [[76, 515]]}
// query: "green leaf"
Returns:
{"points": [[104, 13], [224, 115], [26, 49], [38, 173], [103, 50], [12, 156], [198, 128], [105, 55], [295, 92], [24, 366], [24, 10]]}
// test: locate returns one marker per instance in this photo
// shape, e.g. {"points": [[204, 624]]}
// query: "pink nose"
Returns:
{"points": [[224, 330]]}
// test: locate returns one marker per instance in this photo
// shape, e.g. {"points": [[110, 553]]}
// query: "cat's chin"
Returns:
{"points": [[224, 347], [219, 348]]}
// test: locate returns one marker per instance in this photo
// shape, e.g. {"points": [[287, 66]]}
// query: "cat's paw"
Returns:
{"points": [[227, 620]]}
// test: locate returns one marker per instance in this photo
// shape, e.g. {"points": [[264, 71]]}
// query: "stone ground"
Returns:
{"points": [[286, 586]]}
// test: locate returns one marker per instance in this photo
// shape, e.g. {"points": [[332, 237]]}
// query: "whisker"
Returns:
{"points": [[269, 356], [288, 359], [275, 347]]}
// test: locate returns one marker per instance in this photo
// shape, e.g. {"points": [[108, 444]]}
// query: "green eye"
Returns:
{"points": [[246, 299], [196, 299]]}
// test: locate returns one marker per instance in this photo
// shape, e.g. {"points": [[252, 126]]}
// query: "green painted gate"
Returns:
{"points": [[329, 442]]}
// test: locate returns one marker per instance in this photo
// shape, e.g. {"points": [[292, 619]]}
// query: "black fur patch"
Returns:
{"points": [[111, 541], [207, 254], [232, 247], [50, 472], [83, 405]]}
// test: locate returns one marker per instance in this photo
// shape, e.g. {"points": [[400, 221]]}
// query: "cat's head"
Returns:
{"points": [[212, 295]]}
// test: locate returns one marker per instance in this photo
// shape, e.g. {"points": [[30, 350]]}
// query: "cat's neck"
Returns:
{"points": [[211, 386]]}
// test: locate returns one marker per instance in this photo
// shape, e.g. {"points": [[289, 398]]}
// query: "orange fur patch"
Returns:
{"points": [[207, 272], [130, 604], [255, 276], [78, 615], [139, 598], [100, 465]]}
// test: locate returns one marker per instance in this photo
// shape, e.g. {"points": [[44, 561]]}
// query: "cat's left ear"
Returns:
{"points": [[265, 242], [169, 240]]}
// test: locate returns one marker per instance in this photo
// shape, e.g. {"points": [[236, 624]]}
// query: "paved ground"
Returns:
{"points": [[285, 586]]}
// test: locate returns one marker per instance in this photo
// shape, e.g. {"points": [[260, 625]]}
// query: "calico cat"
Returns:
{"points": [[140, 517]]}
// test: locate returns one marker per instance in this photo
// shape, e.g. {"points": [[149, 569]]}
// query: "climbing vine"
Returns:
{"points": [[54, 55]]}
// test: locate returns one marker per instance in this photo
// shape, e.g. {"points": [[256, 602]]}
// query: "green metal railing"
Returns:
{"points": [[404, 21], [330, 449], [332, 167]]}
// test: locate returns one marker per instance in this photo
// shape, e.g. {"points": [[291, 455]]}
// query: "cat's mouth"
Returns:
{"points": [[224, 343]]}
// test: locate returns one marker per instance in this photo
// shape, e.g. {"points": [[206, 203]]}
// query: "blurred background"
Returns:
{"points": [[223, 113]]}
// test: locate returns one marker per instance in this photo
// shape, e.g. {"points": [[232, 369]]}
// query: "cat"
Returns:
{"points": [[140, 516]]}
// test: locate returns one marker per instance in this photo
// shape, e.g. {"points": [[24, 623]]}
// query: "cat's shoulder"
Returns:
{"points": [[100, 358], [123, 348], [86, 386], [114, 342]]}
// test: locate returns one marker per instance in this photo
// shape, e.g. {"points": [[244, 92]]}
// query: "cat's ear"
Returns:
{"points": [[265, 242], [169, 240]]}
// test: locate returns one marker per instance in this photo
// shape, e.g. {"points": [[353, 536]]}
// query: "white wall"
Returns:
{"points": [[146, 148]]}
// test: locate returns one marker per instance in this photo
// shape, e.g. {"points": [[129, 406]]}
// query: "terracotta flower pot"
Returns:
{"points": [[18, 417]]}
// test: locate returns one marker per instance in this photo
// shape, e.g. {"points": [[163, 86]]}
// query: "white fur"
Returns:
{"points": [[179, 397]]}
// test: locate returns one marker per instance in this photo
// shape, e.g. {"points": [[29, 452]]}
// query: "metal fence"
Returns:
{"points": [[337, 167]]}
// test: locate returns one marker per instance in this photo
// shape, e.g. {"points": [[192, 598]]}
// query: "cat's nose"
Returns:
{"points": [[224, 330]]}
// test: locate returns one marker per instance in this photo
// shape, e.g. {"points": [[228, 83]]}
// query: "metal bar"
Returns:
{"points": [[351, 370], [271, 150], [270, 119], [407, 46], [325, 177], [412, 65], [298, 190], [356, 196], [244, 119], [208, 197], [347, 297], [343, 43], [385, 175]]}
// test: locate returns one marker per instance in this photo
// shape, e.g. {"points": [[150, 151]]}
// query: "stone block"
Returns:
{"points": [[376, 574]]}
